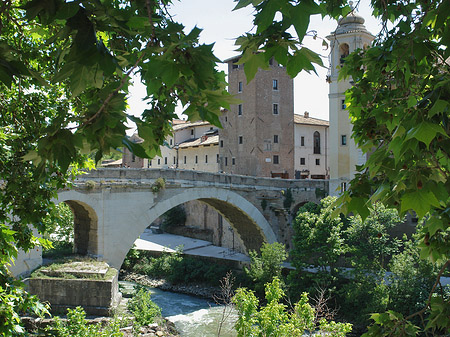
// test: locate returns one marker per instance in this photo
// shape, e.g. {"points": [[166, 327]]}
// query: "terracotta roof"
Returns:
{"points": [[211, 140], [299, 119]]}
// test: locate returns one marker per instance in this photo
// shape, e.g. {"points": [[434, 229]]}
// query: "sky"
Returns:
{"points": [[221, 26]]}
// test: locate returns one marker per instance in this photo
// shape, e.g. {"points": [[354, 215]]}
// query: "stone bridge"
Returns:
{"points": [[112, 207]]}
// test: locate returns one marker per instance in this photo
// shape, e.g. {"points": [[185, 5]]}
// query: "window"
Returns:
{"points": [[171, 141], [343, 139], [192, 132], [240, 110], [343, 186], [316, 142], [226, 161], [159, 161], [165, 160], [185, 159], [302, 161], [149, 163], [233, 161], [174, 160], [317, 161], [343, 105], [344, 50], [196, 159], [221, 143], [276, 159], [206, 159], [240, 87], [133, 157], [275, 139], [275, 108], [240, 139], [235, 66], [275, 84], [217, 158]]}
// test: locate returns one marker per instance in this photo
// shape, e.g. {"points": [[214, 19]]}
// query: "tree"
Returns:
{"points": [[266, 266], [273, 319], [65, 69], [399, 107]]}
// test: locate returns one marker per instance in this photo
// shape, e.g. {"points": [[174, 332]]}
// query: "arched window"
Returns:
{"points": [[344, 50], [316, 142]]}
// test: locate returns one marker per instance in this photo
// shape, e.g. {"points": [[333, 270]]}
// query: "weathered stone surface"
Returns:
{"points": [[116, 205], [96, 296]]}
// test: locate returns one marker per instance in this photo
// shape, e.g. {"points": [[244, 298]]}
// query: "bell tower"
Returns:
{"points": [[350, 34]]}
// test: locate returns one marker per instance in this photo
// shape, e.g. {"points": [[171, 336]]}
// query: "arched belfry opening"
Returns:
{"points": [[85, 240], [344, 51]]}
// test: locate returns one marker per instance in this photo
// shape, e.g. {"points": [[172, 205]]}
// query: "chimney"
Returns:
{"points": [[306, 114]]}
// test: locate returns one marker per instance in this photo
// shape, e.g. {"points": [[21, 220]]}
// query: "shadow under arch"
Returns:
{"points": [[246, 219], [85, 226]]}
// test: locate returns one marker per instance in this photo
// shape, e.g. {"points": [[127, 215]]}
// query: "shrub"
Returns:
{"points": [[76, 325], [175, 267], [268, 265], [144, 310], [159, 184], [275, 320]]}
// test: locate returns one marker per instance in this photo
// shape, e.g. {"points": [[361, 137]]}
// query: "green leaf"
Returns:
{"points": [[265, 17], [419, 201], [137, 149], [138, 22], [252, 64], [241, 4], [438, 107], [425, 132], [67, 10]]}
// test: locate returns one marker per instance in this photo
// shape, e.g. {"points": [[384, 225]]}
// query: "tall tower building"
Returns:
{"points": [[351, 34], [258, 134]]}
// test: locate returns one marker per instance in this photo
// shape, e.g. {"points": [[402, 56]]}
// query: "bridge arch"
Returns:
{"points": [[109, 221], [85, 227], [86, 222], [245, 218]]}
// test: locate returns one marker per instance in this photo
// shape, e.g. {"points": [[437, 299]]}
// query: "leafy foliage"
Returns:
{"points": [[175, 216], [175, 267], [363, 267], [76, 325], [65, 71], [264, 268], [144, 310], [274, 319]]}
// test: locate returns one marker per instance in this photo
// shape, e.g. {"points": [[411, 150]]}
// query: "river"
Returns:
{"points": [[192, 316]]}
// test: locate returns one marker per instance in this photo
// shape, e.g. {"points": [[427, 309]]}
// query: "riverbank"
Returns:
{"points": [[198, 290]]}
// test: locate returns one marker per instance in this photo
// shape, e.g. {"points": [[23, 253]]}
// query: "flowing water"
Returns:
{"points": [[193, 316]]}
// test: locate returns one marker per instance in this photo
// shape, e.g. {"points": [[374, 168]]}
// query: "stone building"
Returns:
{"points": [[311, 147], [257, 138], [350, 35]]}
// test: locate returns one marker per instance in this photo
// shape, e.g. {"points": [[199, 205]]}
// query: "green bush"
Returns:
{"points": [[175, 267], [266, 266], [273, 319], [76, 325], [144, 310], [59, 222], [363, 267]]}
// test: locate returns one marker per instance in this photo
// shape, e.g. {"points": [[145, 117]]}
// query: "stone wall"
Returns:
{"points": [[96, 296]]}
